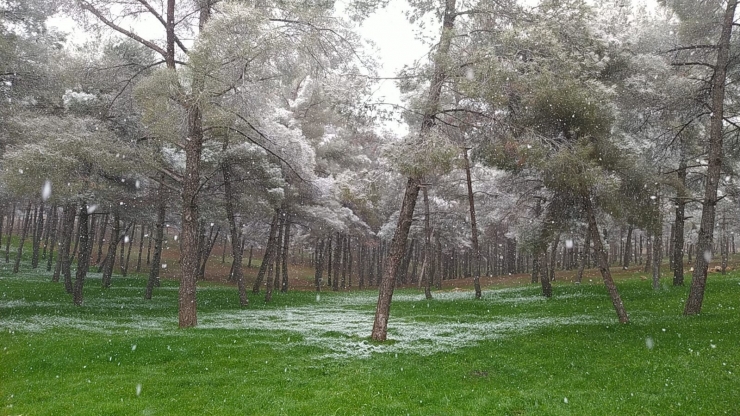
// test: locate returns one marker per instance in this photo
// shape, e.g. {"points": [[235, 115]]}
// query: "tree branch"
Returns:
{"points": [[131, 35], [161, 20]]}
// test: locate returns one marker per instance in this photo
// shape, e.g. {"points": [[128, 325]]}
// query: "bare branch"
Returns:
{"points": [[131, 35], [161, 20]]}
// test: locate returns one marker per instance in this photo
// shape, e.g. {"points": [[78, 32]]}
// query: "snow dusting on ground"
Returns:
{"points": [[339, 324]]}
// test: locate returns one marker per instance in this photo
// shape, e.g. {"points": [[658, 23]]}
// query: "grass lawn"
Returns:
{"points": [[512, 352]]}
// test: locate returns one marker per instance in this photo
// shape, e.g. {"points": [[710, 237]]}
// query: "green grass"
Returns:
{"points": [[511, 353]]}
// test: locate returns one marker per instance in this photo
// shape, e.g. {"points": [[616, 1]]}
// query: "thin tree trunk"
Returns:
{"points": [[627, 248], [319, 264], [24, 234], [141, 248], [473, 227], [63, 260], [267, 258], [715, 156], [158, 233], [38, 228], [584, 255], [110, 257], [46, 230], [658, 246], [286, 246], [337, 258], [545, 275], [55, 224], [83, 261], [428, 256], [207, 249], [553, 257], [278, 255], [679, 223], [603, 263], [236, 252], [10, 234], [101, 238], [124, 269]]}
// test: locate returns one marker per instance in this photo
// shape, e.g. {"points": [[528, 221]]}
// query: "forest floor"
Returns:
{"points": [[512, 352]]}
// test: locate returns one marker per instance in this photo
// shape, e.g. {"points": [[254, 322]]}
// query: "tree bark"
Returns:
{"points": [[236, 252], [603, 262], [10, 234], [627, 248], [267, 258], [715, 156], [679, 223], [38, 228], [83, 261], [101, 238], [53, 237], [319, 264], [545, 275], [658, 246], [110, 257], [158, 242], [141, 247], [398, 243], [286, 246], [63, 266], [584, 255], [24, 234], [473, 227], [428, 250]]}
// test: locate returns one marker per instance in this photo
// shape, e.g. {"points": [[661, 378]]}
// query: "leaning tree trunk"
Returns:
{"points": [[604, 263], [714, 169], [398, 243], [657, 247], [83, 259], [158, 241]]}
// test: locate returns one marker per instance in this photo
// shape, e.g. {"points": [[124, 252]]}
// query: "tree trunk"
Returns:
{"points": [[657, 247], [50, 222], [553, 257], [158, 241], [236, 252], [473, 227], [24, 234], [63, 266], [603, 263], [10, 234], [267, 258], [398, 243], [141, 247], [584, 255], [101, 238], [110, 257], [278, 254], [55, 223], [124, 268], [38, 228], [428, 255], [319, 264], [706, 229], [545, 275], [679, 223], [627, 248], [286, 247], [83, 261], [207, 249]]}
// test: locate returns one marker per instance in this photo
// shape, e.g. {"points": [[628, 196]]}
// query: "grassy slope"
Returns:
{"points": [[56, 359]]}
